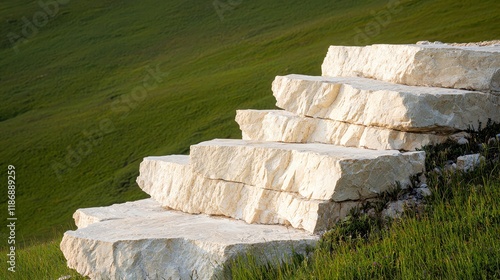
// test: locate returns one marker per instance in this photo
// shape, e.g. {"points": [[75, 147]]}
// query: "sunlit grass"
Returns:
{"points": [[42, 261]]}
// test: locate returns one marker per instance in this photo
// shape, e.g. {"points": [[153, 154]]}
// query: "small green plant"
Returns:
{"points": [[354, 228], [483, 141]]}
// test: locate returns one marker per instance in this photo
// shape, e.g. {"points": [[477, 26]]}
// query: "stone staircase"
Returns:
{"points": [[342, 139]]}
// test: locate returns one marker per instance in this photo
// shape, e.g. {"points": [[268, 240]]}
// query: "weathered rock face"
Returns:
{"points": [[380, 104], [140, 240], [85, 217], [468, 163], [314, 171], [289, 169], [171, 181], [283, 126], [475, 68]]}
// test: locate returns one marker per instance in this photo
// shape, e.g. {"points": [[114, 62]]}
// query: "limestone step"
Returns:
{"points": [[314, 171], [381, 104], [141, 240], [436, 65], [283, 126], [171, 181]]}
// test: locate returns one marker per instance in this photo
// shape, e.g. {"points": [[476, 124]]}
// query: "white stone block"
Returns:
{"points": [[380, 104], [436, 65], [140, 240], [283, 126], [171, 181], [314, 171]]}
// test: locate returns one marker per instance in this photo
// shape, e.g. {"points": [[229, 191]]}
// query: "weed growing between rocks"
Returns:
{"points": [[484, 140], [446, 172]]}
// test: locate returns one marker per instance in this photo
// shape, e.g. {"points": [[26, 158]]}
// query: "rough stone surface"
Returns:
{"points": [[459, 136], [171, 181], [283, 126], [380, 104], [140, 240], [137, 209], [308, 183], [462, 141], [423, 191], [436, 65], [395, 209], [469, 162], [314, 171], [492, 43], [477, 44]]}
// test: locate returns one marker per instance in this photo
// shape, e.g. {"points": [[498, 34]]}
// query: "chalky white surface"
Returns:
{"points": [[436, 65], [380, 104], [171, 181], [283, 126], [314, 171], [141, 240]]}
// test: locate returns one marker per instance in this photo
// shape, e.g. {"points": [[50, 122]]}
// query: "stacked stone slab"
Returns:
{"points": [[433, 65], [283, 126], [361, 112], [141, 240], [308, 186], [341, 140]]}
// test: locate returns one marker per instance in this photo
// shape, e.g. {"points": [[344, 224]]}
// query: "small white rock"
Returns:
{"points": [[372, 212], [422, 179], [463, 141], [394, 209], [424, 191], [437, 171], [469, 162], [450, 167], [457, 136]]}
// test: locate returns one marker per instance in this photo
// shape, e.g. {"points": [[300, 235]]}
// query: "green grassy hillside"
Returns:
{"points": [[89, 88]]}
